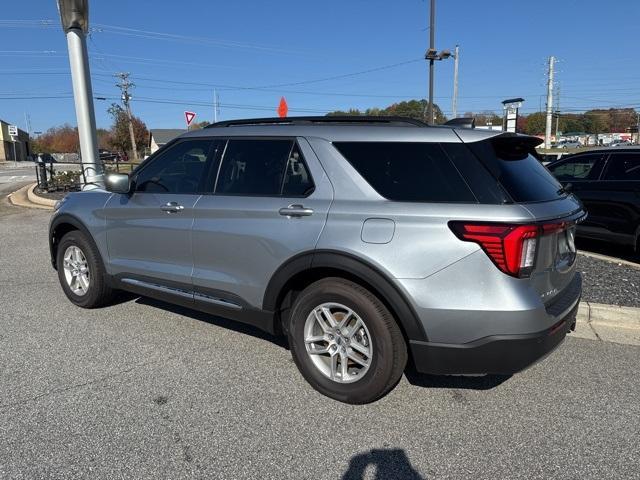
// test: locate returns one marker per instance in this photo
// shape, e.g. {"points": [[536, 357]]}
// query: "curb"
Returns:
{"points": [[38, 200], [606, 258], [21, 198], [608, 323]]}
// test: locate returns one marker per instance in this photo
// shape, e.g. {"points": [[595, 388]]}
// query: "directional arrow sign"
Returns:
{"points": [[189, 116]]}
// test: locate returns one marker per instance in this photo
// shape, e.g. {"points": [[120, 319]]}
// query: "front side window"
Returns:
{"points": [[578, 168], [407, 171], [623, 166], [179, 169], [263, 168]]}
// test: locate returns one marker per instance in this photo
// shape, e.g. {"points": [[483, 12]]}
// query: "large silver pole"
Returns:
{"points": [[547, 133], [85, 114], [454, 101]]}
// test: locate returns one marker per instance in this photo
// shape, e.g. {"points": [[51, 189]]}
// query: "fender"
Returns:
{"points": [[58, 220], [356, 267]]}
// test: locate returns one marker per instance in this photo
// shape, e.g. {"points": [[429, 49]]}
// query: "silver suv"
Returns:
{"points": [[369, 242]]}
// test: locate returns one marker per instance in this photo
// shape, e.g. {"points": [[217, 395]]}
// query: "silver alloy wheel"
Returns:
{"points": [[76, 270], [338, 342]]}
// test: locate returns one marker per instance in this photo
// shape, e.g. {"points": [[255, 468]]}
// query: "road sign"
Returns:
{"points": [[283, 108], [13, 130], [189, 116]]}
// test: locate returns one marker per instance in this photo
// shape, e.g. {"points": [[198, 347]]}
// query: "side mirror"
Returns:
{"points": [[117, 183]]}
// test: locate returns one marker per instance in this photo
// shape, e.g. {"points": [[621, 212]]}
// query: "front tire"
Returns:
{"points": [[345, 341], [81, 272]]}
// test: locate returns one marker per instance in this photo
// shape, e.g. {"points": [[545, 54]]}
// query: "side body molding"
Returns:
{"points": [[354, 267]]}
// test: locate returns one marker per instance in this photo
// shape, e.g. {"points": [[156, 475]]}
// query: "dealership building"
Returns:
{"points": [[13, 148]]}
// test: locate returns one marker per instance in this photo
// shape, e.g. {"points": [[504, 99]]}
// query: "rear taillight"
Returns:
{"points": [[511, 247]]}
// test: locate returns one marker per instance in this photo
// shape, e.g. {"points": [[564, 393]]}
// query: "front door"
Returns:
{"points": [[269, 203], [149, 231]]}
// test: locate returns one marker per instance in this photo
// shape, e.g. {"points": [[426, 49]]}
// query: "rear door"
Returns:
{"points": [[149, 231], [617, 197], [268, 202], [583, 172]]}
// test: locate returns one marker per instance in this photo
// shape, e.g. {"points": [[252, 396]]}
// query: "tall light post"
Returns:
{"points": [[74, 15], [432, 55]]}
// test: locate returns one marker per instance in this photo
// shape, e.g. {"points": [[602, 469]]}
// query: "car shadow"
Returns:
{"points": [[485, 382], [479, 382], [388, 463], [239, 327]]}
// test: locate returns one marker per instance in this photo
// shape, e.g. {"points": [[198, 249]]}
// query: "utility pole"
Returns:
{"points": [[454, 102], [557, 115], [547, 133], [125, 85], [215, 106], [432, 48]]}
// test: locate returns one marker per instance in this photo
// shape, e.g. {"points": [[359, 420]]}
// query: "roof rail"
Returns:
{"points": [[391, 121]]}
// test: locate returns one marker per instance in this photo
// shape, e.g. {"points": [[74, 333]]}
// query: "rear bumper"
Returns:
{"points": [[496, 354]]}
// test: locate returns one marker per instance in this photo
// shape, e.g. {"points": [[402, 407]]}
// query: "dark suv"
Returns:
{"points": [[608, 183]]}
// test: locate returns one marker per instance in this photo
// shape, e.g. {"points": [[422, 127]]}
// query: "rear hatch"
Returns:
{"points": [[543, 251]]}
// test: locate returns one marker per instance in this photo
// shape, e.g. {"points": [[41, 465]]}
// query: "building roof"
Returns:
{"points": [[165, 135]]}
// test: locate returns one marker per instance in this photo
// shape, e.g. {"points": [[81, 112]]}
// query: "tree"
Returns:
{"points": [[62, 139], [536, 123], [199, 125], [120, 140], [413, 109]]}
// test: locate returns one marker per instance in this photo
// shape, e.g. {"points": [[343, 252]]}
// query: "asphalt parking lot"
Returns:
{"points": [[145, 390]]}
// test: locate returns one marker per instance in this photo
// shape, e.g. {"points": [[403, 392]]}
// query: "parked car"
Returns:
{"points": [[620, 143], [608, 183], [368, 241], [567, 144]]}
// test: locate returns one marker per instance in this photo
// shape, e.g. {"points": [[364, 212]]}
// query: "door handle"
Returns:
{"points": [[295, 211], [172, 207]]}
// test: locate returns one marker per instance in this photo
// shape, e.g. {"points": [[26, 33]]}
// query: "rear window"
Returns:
{"points": [[511, 161], [406, 171], [623, 166]]}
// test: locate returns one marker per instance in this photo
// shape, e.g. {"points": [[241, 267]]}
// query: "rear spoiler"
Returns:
{"points": [[464, 122]]}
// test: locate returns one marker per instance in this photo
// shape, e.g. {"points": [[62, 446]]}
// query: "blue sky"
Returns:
{"points": [[178, 52]]}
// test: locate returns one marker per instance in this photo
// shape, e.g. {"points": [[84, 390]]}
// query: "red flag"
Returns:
{"points": [[283, 108]]}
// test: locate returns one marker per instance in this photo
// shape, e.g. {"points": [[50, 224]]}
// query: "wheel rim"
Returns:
{"points": [[338, 342], [76, 270]]}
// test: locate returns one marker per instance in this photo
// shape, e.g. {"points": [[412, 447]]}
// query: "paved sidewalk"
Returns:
{"points": [[608, 323]]}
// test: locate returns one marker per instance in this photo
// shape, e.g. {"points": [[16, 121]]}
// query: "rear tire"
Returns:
{"points": [[81, 271], [345, 341]]}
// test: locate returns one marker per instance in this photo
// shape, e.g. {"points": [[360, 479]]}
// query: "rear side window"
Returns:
{"points": [[623, 166], [407, 172], [579, 167], [264, 168], [511, 161]]}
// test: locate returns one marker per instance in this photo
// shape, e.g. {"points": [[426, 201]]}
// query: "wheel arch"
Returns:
{"points": [[305, 268], [60, 226]]}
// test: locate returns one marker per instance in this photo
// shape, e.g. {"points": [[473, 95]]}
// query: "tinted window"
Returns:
{"points": [[297, 180], [407, 172], [177, 170], [510, 159], [623, 166], [263, 167], [578, 167]]}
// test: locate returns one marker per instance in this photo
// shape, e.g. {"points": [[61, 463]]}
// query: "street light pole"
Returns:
{"points": [[454, 101], [74, 15], [432, 47]]}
